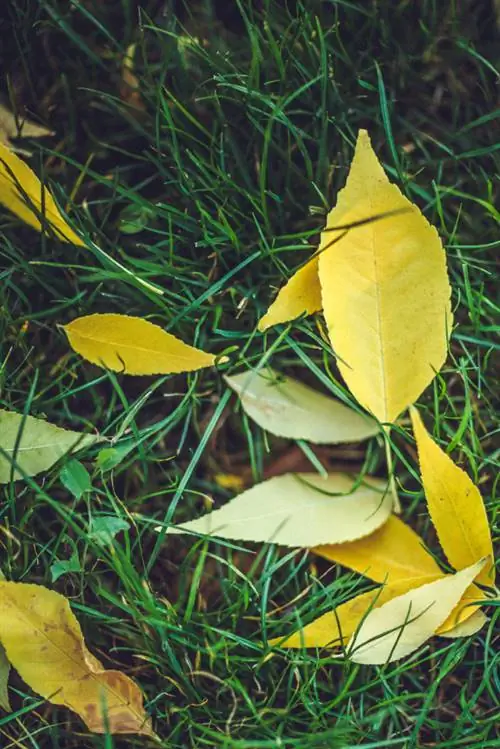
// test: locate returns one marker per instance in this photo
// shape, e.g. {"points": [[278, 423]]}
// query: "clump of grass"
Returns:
{"points": [[215, 193]]}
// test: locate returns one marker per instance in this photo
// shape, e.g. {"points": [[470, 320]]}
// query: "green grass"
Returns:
{"points": [[214, 195]]}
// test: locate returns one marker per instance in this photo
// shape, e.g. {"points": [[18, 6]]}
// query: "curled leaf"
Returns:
{"points": [[133, 346], [44, 643], [34, 444], [22, 193], [399, 627], [288, 408], [455, 505], [298, 510]]}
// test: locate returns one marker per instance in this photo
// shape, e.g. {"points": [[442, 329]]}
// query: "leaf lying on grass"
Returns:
{"points": [[22, 193], [44, 643], [34, 444], [4, 674], [133, 346], [395, 555], [19, 127], [287, 408], [455, 505], [385, 292], [399, 627], [298, 510]]}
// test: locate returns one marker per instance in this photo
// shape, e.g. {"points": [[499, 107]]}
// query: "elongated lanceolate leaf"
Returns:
{"points": [[133, 346], [44, 643], [455, 505], [287, 408], [385, 290], [39, 446], [401, 626], [298, 510], [22, 193]]}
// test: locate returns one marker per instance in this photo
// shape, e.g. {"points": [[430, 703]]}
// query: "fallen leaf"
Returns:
{"points": [[133, 346], [12, 126], [34, 444], [22, 193], [301, 295], [399, 627], [44, 643], [455, 505], [467, 627], [4, 674], [288, 408], [393, 552], [385, 291], [298, 510]]}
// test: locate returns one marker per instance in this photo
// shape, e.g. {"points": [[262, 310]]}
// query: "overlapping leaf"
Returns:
{"points": [[288, 408], [133, 346], [22, 193], [299, 510], [34, 445], [44, 643], [385, 292]]}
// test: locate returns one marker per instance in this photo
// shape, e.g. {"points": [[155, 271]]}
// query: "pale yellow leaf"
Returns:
{"points": [[288, 408], [133, 346], [467, 627], [34, 444], [385, 290], [393, 552], [298, 510], [455, 505], [44, 643], [19, 127], [301, 295], [17, 180], [402, 625]]}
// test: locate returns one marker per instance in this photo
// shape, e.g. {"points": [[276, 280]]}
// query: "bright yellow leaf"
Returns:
{"points": [[44, 643], [397, 628], [22, 193], [393, 552], [133, 346], [301, 295], [455, 505], [385, 290]]}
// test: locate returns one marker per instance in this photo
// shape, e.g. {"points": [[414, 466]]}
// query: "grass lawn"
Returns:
{"points": [[210, 183]]}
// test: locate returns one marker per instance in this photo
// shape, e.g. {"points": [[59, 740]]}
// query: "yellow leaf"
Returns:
{"points": [[393, 552], [298, 510], [133, 346], [44, 643], [301, 295], [467, 627], [385, 290], [397, 628], [455, 505], [288, 408], [336, 627], [17, 180], [19, 127]]}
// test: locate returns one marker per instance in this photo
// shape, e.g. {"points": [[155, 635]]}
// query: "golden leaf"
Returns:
{"points": [[44, 643], [22, 193], [455, 505], [385, 290], [133, 346], [301, 295]]}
